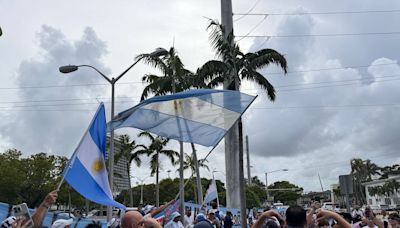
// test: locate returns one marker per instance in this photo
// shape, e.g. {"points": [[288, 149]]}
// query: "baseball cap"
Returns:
{"points": [[61, 223], [175, 215], [203, 224], [7, 223], [200, 217]]}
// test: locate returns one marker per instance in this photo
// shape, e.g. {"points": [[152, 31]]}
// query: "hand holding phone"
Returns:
{"points": [[21, 212]]}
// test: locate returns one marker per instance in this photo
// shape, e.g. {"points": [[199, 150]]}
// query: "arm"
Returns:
{"points": [[41, 211], [261, 220], [160, 209], [323, 215]]}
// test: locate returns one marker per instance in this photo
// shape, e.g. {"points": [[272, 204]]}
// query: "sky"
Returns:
{"points": [[338, 101]]}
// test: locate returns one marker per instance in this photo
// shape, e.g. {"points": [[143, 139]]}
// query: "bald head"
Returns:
{"points": [[131, 219]]}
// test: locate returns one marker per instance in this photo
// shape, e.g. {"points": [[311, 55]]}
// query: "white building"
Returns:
{"points": [[382, 201]]}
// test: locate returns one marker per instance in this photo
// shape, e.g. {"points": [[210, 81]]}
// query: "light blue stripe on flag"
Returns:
{"points": [[87, 172], [197, 116]]}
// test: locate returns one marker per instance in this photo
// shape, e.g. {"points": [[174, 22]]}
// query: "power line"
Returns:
{"points": [[135, 82], [131, 98], [321, 35], [329, 106], [348, 80], [317, 13], [254, 28], [248, 12]]}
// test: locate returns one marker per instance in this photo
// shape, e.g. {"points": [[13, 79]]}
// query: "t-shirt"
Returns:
{"points": [[228, 223], [173, 224], [187, 221]]}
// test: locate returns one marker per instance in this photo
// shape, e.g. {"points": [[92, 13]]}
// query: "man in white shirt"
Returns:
{"points": [[187, 221], [175, 221]]}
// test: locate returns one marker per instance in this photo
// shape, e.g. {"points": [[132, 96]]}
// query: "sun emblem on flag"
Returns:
{"points": [[98, 166]]}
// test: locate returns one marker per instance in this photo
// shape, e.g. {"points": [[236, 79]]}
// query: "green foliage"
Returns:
{"points": [[387, 189], [236, 65], [30, 179], [252, 199], [287, 197]]}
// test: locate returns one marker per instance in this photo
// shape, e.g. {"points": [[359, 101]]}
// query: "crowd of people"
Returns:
{"points": [[294, 217]]}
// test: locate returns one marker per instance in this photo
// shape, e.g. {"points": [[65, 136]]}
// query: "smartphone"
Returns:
{"points": [[21, 211]]}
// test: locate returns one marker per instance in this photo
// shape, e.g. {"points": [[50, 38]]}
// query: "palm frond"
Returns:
{"points": [[265, 57], [146, 135], [153, 61], [260, 80]]}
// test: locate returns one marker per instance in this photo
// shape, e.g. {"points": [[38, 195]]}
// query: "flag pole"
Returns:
{"points": [[72, 159]]}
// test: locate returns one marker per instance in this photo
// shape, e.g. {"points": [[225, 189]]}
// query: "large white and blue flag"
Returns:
{"points": [[212, 192], [200, 116], [86, 171]]}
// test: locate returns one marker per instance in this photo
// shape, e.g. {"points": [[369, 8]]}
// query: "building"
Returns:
{"points": [[311, 197], [380, 200], [121, 180]]}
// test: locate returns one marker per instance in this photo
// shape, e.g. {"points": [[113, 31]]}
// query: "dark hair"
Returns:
{"points": [[296, 216]]}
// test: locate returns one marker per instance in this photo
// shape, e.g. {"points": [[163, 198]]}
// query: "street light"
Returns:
{"points": [[266, 179], [141, 187], [71, 68]]}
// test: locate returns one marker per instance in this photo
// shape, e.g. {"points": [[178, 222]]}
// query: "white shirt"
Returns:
{"points": [[188, 222], [173, 224]]}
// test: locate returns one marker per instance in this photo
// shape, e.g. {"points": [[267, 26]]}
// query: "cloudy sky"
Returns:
{"points": [[338, 101]]}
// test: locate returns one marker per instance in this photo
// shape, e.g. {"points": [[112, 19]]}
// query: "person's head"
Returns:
{"points": [[188, 213], [296, 216], [62, 223], [394, 220], [203, 224], [200, 217], [229, 214], [211, 215], [131, 219], [175, 216]]}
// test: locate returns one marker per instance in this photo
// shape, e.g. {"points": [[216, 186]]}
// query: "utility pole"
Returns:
{"points": [[248, 160], [231, 138], [234, 137]]}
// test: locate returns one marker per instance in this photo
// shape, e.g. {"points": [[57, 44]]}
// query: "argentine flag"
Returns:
{"points": [[86, 171], [211, 192]]}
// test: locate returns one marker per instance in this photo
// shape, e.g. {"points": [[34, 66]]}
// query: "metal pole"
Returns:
{"points": [[248, 160], [266, 185], [242, 184], [181, 182], [111, 154], [141, 193]]}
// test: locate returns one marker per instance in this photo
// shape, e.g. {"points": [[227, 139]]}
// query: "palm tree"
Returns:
{"points": [[190, 164], [175, 78], [154, 150], [234, 67], [126, 150], [362, 171]]}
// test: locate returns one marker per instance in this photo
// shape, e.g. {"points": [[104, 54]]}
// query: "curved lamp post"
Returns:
{"points": [[71, 68], [266, 179]]}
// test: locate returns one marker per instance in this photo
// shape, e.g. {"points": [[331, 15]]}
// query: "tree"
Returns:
{"points": [[175, 78], [126, 150], [252, 199], [234, 67], [289, 193], [154, 150], [362, 171], [189, 163]]}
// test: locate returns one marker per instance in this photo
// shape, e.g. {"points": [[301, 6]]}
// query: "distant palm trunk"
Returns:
{"points": [[130, 186], [198, 179], [157, 186]]}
